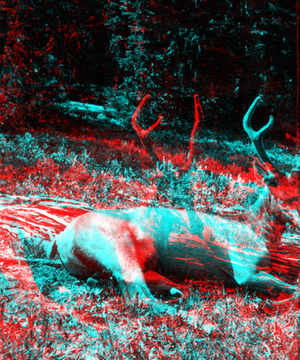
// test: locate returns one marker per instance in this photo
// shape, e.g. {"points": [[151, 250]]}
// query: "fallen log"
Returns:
{"points": [[25, 261]]}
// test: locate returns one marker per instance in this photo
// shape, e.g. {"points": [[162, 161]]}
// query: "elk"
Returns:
{"points": [[144, 247]]}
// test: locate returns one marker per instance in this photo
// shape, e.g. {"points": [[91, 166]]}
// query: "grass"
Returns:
{"points": [[94, 321], [107, 326]]}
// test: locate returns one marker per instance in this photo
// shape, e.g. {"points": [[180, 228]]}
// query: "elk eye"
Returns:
{"points": [[270, 181]]}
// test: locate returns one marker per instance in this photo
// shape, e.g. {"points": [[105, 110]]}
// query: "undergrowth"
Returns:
{"points": [[106, 326], [115, 173]]}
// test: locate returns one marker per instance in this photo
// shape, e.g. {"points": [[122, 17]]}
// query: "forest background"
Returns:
{"points": [[114, 52]]}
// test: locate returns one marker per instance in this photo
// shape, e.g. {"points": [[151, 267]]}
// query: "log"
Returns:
{"points": [[87, 109], [26, 261], [284, 264]]}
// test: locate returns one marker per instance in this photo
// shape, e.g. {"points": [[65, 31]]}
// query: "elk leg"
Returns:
{"points": [[158, 307], [127, 270], [249, 270], [160, 285], [266, 282]]}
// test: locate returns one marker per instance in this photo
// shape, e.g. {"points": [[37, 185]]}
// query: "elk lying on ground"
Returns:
{"points": [[142, 247]]}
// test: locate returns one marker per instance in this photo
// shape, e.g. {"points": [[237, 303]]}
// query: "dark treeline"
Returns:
{"points": [[115, 52]]}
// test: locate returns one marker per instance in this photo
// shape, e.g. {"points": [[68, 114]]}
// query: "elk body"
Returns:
{"points": [[144, 247]]}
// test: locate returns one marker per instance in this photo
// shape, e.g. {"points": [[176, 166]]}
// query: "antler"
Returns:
{"points": [[199, 119], [144, 134], [257, 139]]}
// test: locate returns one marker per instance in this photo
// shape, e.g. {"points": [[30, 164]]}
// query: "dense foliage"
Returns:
{"points": [[51, 51], [226, 51]]}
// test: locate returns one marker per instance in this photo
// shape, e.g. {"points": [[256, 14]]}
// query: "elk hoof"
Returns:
{"points": [[175, 291], [91, 282]]}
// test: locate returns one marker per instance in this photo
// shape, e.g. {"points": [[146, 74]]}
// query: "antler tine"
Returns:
{"points": [[199, 119], [257, 140], [144, 134]]}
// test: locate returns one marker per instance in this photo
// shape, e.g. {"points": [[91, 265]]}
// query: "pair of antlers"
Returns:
{"points": [[273, 173]]}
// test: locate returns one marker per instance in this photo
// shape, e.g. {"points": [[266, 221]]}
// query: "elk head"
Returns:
{"points": [[267, 217]]}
